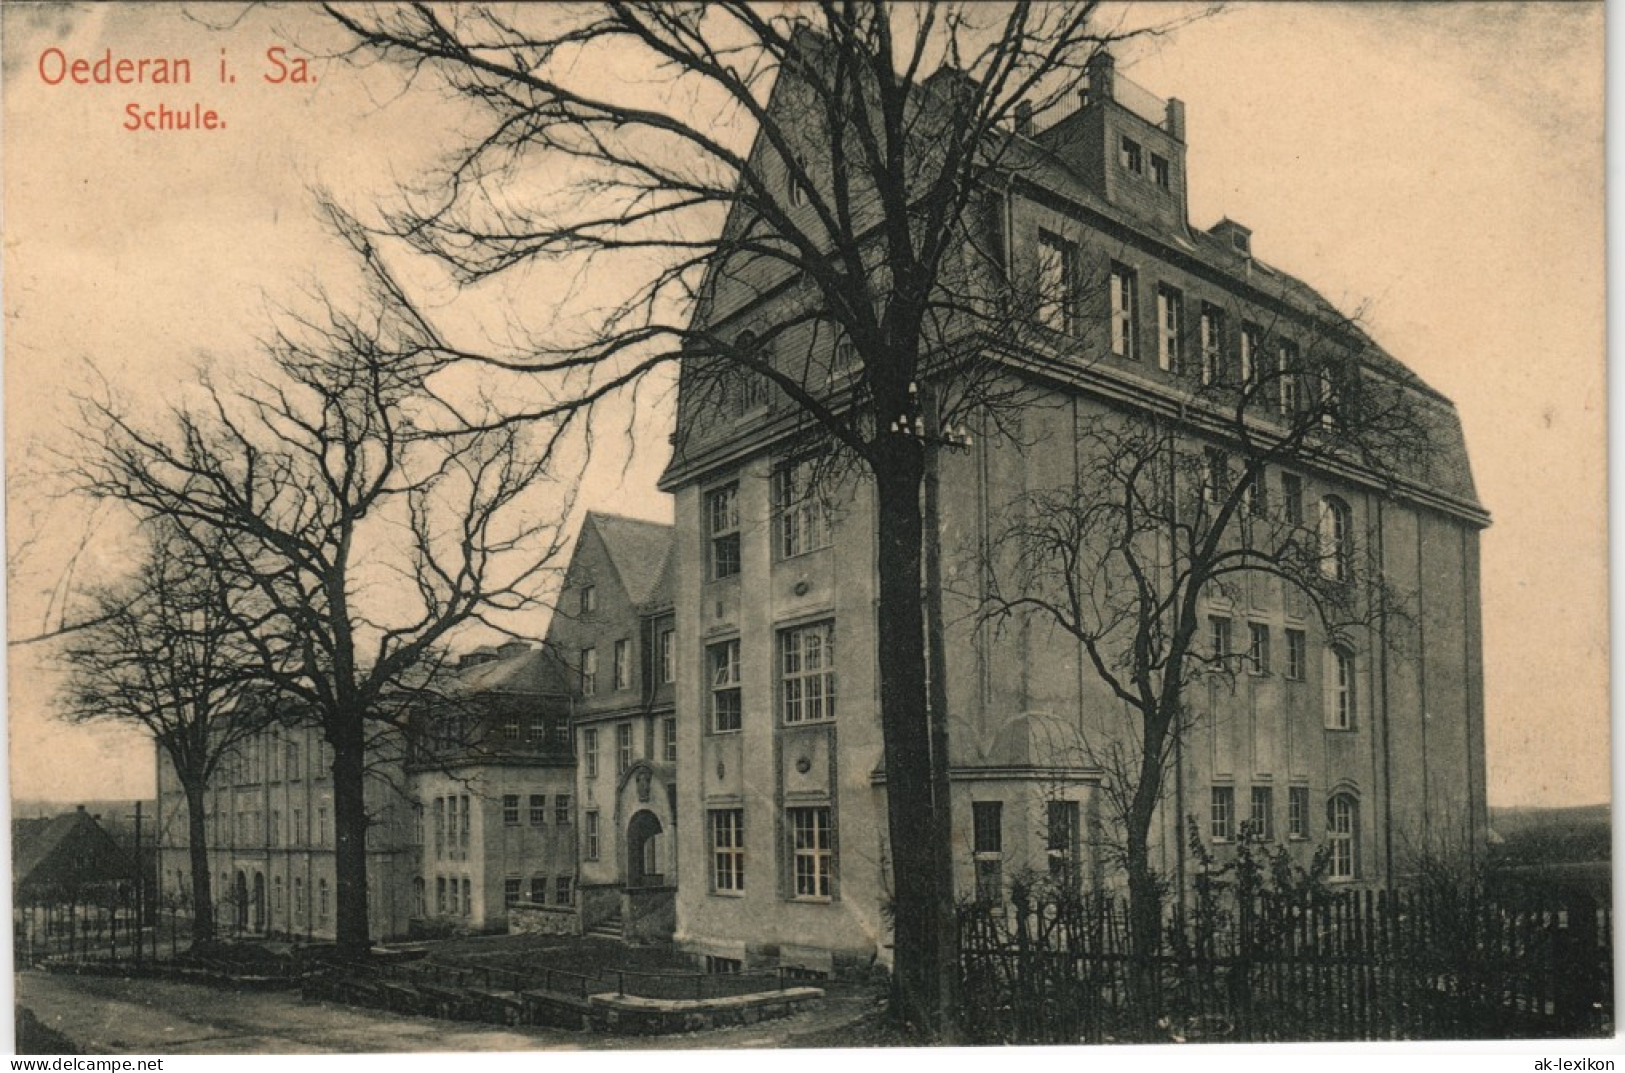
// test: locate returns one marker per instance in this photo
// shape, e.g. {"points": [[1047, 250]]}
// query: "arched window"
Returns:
{"points": [[1340, 698], [1343, 835], [1336, 540]]}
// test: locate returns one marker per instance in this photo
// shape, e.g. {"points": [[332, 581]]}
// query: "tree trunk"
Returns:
{"points": [[197, 839], [941, 779], [350, 836], [920, 963]]}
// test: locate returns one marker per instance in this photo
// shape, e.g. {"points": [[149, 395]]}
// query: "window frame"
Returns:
{"points": [[1222, 813], [1124, 287], [510, 810], [624, 751], [1297, 812], [622, 663], [725, 683], [802, 689], [589, 751], [1261, 813], [1210, 330], [589, 671], [589, 599], [591, 835], [1297, 655], [800, 515], [1170, 328], [538, 810], [1258, 649], [725, 831], [1059, 265], [1343, 838], [812, 872], [1220, 637], [1130, 155], [561, 810], [1341, 701], [666, 646], [668, 730], [1336, 539], [1161, 173], [724, 554]]}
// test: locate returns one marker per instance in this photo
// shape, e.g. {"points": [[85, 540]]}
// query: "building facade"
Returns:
{"points": [[1371, 747], [271, 838], [614, 630]]}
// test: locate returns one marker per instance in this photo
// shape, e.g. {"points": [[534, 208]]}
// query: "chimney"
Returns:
{"points": [[1101, 70], [1174, 124], [1024, 118]]}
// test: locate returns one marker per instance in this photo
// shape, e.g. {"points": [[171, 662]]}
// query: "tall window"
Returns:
{"points": [[1218, 633], [589, 751], [1291, 389], [623, 664], [1251, 347], [668, 729], [1212, 332], [1170, 328], [589, 835], [1261, 819], [464, 823], [1342, 831], [321, 901], [813, 855], [1336, 540], [1292, 498], [987, 819], [589, 599], [1130, 156], [1258, 648], [562, 887], [1339, 690], [1215, 475], [668, 656], [561, 809], [1297, 655], [1061, 839], [1058, 271], [728, 850], [538, 890], [1297, 812], [722, 519], [589, 672], [623, 748], [510, 810], [1222, 814], [1159, 171], [726, 713], [510, 892], [468, 898], [803, 521], [1125, 313], [807, 666], [750, 385], [538, 810]]}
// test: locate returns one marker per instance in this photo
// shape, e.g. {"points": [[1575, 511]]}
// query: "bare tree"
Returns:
{"points": [[167, 651], [1171, 511], [841, 161], [371, 533]]}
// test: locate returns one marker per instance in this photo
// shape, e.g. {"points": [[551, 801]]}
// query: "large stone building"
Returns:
{"points": [[1372, 746], [614, 629]]}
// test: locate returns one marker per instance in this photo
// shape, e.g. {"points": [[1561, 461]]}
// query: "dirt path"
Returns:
{"points": [[106, 1015]]}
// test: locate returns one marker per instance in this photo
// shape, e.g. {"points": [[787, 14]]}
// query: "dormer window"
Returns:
{"points": [[1131, 156]]}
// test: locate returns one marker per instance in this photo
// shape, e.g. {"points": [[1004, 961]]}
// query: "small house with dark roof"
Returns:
{"points": [[614, 630], [67, 859]]}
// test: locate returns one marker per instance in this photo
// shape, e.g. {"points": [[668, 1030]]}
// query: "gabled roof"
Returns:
{"points": [[530, 671], [36, 845], [639, 551]]}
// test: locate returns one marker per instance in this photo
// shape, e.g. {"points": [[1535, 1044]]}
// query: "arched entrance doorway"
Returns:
{"points": [[239, 901], [259, 901], [643, 850]]}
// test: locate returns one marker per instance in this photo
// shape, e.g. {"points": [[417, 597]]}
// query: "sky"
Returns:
{"points": [[1438, 168]]}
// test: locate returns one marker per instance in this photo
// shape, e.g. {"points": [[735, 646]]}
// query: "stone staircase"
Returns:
{"points": [[608, 928]]}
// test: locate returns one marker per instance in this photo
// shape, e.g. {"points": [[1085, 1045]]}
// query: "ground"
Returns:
{"points": [[108, 1015]]}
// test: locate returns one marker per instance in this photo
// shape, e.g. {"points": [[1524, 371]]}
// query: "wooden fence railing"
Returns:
{"points": [[1361, 965]]}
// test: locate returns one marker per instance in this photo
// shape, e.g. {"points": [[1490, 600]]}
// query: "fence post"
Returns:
{"points": [[1575, 953]]}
